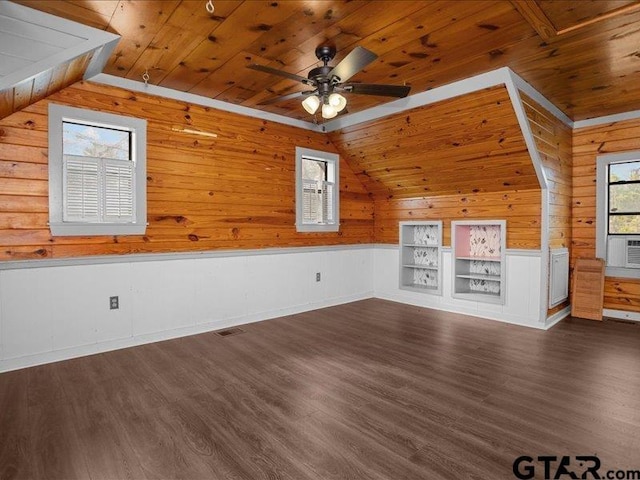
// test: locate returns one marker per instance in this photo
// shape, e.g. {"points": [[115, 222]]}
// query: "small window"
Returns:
{"points": [[624, 198], [316, 191], [97, 178]]}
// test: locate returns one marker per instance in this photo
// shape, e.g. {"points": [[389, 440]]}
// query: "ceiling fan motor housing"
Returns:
{"points": [[325, 53]]}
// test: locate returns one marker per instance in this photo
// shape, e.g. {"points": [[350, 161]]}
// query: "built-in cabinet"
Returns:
{"points": [[478, 251], [421, 256]]}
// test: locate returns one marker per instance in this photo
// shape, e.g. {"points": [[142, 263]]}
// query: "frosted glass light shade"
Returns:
{"points": [[337, 101], [328, 111], [311, 104]]}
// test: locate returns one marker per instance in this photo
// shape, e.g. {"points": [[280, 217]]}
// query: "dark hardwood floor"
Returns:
{"points": [[369, 390]]}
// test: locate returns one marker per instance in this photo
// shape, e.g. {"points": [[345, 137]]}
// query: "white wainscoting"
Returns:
{"points": [[522, 304], [56, 312]]}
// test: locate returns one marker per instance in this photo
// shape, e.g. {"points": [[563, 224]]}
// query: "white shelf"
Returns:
{"points": [[415, 265], [480, 276], [420, 287], [419, 245], [479, 267], [481, 259], [421, 242]]}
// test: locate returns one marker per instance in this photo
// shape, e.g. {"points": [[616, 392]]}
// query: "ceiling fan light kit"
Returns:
{"points": [[328, 111], [311, 104], [327, 81], [337, 101]]}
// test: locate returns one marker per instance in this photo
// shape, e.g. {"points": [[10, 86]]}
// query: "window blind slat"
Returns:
{"points": [[98, 190], [118, 190], [80, 189]]}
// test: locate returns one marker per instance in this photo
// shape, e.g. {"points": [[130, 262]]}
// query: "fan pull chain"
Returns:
{"points": [[209, 6]]}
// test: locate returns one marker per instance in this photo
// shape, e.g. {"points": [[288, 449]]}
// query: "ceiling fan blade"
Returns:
{"points": [[382, 90], [282, 73], [290, 96], [357, 59]]}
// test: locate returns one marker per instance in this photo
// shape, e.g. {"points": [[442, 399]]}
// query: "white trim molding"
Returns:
{"points": [[621, 314], [557, 317], [616, 117], [149, 89]]}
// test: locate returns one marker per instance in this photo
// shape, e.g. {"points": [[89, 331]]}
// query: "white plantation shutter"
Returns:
{"points": [[327, 202], [98, 190], [312, 201], [118, 190], [80, 189]]}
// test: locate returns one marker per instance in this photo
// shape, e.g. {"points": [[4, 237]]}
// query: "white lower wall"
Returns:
{"points": [[51, 313], [522, 303]]}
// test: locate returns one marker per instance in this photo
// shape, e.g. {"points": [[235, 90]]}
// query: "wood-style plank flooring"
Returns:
{"points": [[370, 390]]}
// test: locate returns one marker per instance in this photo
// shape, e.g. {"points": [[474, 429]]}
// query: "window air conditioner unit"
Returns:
{"points": [[623, 251], [633, 254]]}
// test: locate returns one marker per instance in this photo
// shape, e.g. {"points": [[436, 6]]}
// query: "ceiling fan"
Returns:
{"points": [[329, 82]]}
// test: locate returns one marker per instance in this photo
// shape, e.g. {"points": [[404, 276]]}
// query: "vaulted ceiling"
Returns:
{"points": [[584, 56]]}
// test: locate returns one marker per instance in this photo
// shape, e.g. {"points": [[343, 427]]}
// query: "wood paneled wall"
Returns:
{"points": [[464, 145], [588, 143], [462, 158], [521, 209], [553, 141], [233, 191]]}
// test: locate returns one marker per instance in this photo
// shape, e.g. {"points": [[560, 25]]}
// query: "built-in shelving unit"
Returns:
{"points": [[421, 257], [478, 249]]}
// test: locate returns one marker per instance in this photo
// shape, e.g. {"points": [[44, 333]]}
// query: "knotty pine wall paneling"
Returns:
{"points": [[554, 141], [462, 158], [521, 209], [235, 191], [588, 144]]}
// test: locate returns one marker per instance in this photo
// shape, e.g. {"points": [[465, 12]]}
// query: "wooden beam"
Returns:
{"points": [[535, 17]]}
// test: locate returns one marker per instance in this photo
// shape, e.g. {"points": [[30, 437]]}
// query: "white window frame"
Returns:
{"points": [[602, 213], [138, 128], [333, 176]]}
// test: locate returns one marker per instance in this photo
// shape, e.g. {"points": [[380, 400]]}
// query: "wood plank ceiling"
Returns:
{"points": [[582, 55]]}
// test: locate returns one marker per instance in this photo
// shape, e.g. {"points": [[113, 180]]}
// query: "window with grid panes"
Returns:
{"points": [[97, 173], [317, 200]]}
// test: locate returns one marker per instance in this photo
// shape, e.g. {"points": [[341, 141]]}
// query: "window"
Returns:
{"points": [[618, 211], [317, 191], [624, 198], [97, 174]]}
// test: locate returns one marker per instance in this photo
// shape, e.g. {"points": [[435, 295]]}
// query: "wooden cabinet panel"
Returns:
{"points": [[588, 288]]}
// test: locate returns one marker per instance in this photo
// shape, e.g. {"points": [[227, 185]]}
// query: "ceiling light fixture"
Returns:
{"points": [[311, 104], [331, 104]]}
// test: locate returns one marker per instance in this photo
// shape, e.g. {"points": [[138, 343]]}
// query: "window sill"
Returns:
{"points": [[622, 272], [69, 229], [317, 228]]}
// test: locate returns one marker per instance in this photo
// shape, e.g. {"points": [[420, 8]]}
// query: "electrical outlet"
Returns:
{"points": [[318, 276], [114, 304]]}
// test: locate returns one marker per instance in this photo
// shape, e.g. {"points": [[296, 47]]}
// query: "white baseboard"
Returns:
{"points": [[556, 317], [84, 350], [622, 314], [487, 315]]}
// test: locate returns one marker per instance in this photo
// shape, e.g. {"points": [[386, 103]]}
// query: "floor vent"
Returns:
{"points": [[229, 331]]}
